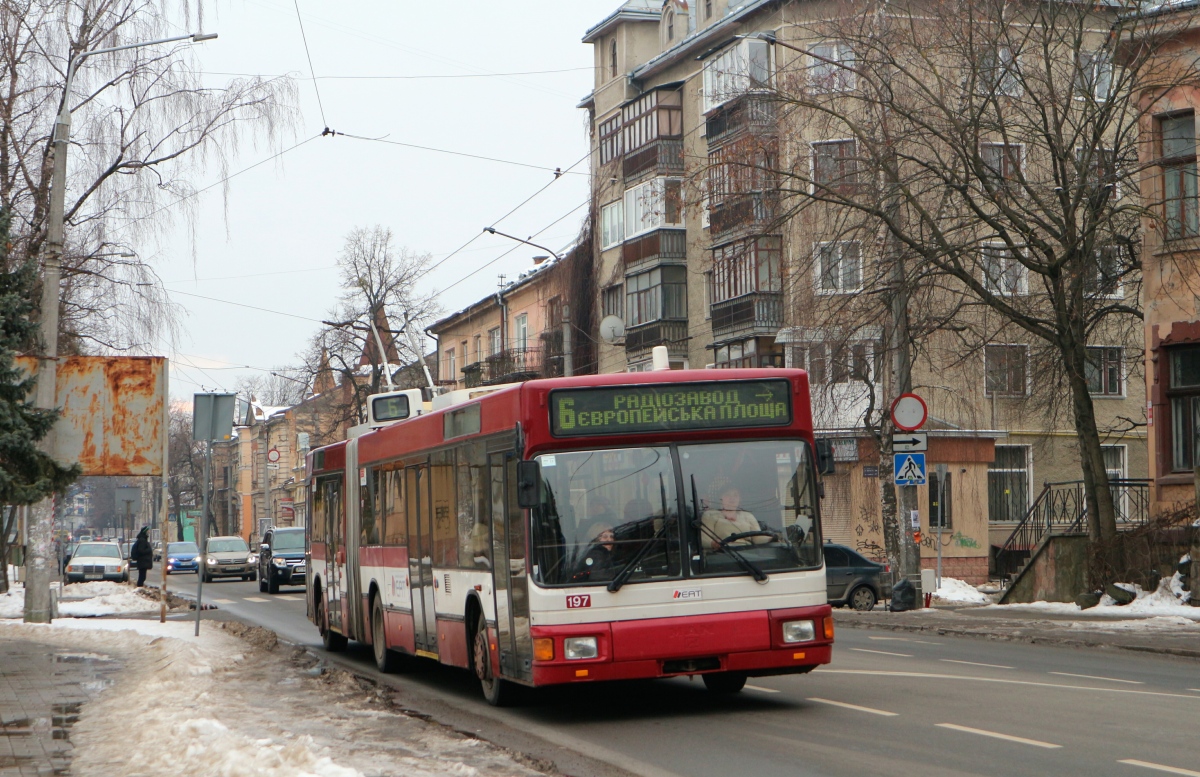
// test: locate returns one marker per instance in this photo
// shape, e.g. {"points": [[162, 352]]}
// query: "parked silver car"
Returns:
{"points": [[226, 557]]}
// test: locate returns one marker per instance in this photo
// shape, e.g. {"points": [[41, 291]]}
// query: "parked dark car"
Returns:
{"points": [[281, 559], [182, 557], [851, 579]]}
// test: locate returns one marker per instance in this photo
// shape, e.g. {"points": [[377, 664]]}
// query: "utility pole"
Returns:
{"points": [[41, 526]]}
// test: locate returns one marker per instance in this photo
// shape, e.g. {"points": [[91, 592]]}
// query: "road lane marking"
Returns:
{"points": [[1197, 690], [1160, 767], [760, 689], [1094, 677], [974, 663], [904, 639], [844, 705], [221, 601], [997, 735], [256, 599], [882, 652], [936, 676]]}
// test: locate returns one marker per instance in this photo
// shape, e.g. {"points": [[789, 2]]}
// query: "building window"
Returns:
{"points": [[1002, 273], [1183, 389], [657, 114], [831, 67], [494, 341], [478, 348], [745, 267], [451, 365], [836, 363], [610, 139], [652, 205], [1114, 461], [709, 294], [941, 502], [1008, 484], [1098, 169], [1178, 162], [612, 224], [1103, 371], [835, 164], [612, 301], [521, 331], [839, 267], [670, 25], [739, 169], [707, 9], [738, 69], [1094, 76], [1004, 370], [733, 355], [1109, 269], [656, 295], [1001, 163], [612, 58], [998, 73]]}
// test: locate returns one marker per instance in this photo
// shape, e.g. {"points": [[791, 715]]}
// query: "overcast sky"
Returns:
{"points": [[272, 241]]}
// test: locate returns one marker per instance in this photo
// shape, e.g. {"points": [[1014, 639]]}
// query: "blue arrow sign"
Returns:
{"points": [[909, 469]]}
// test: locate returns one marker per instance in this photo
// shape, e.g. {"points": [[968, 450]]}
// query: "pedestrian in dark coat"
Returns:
{"points": [[142, 554]]}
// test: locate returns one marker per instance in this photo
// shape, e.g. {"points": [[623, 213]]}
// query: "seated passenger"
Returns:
{"points": [[597, 562], [730, 520]]}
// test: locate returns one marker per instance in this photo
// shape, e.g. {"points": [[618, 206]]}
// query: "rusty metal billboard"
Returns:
{"points": [[114, 413]]}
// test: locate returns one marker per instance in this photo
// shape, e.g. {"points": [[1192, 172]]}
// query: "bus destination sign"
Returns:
{"points": [[670, 407]]}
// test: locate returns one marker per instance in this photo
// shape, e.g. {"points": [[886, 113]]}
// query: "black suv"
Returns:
{"points": [[281, 559], [854, 580]]}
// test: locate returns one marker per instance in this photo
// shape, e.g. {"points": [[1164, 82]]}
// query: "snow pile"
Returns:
{"points": [[1166, 600], [213, 749], [955, 591], [83, 600]]}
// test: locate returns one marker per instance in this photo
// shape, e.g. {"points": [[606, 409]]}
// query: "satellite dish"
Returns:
{"points": [[612, 329]]}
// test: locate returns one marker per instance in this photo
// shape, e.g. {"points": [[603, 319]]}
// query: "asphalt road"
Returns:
{"points": [[887, 705]]}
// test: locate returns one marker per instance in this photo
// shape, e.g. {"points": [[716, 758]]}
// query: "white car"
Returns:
{"points": [[97, 561]]}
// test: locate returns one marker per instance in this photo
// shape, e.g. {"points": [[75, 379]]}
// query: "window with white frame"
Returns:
{"points": [[746, 266], [521, 331], [1001, 162], [612, 300], [1008, 484], [610, 139], [1002, 272], [831, 67], [1103, 371], [1004, 368], [838, 267], [1106, 280], [835, 164], [736, 70], [652, 205], [494, 341], [836, 362], [1094, 75], [998, 74], [451, 366], [654, 115], [1114, 461], [612, 224], [478, 348], [656, 295]]}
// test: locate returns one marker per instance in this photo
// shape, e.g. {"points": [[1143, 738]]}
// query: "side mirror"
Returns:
{"points": [[825, 465], [529, 484]]}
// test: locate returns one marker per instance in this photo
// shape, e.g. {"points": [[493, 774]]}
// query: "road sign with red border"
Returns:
{"points": [[909, 412]]}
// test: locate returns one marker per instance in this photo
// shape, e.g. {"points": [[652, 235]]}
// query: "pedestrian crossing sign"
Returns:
{"points": [[909, 469]]}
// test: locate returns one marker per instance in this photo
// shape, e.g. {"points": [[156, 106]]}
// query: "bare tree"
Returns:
{"points": [[990, 150], [283, 387], [185, 480], [144, 126]]}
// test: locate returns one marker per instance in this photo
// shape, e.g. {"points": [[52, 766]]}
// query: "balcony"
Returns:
{"points": [[741, 215], [673, 334], [749, 115], [662, 246], [661, 157], [757, 313], [510, 366]]}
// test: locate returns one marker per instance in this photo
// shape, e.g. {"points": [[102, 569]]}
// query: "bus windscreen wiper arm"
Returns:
{"points": [[622, 577]]}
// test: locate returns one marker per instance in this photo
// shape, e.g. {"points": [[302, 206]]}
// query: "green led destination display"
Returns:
{"points": [[670, 407]]}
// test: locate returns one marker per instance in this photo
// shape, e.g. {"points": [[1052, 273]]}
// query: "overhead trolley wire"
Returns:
{"points": [[311, 70]]}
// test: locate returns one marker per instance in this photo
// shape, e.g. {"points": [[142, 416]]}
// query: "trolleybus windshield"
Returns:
{"points": [[615, 514]]}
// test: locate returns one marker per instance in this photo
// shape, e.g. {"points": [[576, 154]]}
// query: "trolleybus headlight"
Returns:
{"points": [[799, 631], [580, 647]]}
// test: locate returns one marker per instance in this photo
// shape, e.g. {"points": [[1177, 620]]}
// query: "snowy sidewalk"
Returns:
{"points": [[151, 698]]}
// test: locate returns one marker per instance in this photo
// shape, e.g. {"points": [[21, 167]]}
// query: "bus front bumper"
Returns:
{"points": [[752, 643]]}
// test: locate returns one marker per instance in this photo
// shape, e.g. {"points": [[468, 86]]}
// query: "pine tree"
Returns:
{"points": [[27, 474]]}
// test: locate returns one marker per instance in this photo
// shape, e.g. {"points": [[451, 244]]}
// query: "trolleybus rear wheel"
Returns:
{"points": [[498, 692], [385, 659], [333, 642]]}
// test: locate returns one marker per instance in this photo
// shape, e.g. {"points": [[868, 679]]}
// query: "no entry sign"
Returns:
{"points": [[909, 412]]}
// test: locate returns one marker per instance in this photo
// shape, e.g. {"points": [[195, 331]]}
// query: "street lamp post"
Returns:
{"points": [[568, 350], [37, 585]]}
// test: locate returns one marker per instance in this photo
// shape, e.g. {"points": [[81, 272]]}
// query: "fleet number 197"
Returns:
{"points": [[579, 600]]}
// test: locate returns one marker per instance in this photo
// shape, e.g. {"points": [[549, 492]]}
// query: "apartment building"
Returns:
{"points": [[696, 251]]}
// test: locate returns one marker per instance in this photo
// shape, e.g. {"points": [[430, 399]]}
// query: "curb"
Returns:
{"points": [[1031, 639]]}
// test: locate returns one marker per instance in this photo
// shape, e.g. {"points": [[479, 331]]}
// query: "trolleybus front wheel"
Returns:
{"points": [[498, 692]]}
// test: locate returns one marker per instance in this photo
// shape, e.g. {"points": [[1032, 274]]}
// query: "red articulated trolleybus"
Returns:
{"points": [[577, 529]]}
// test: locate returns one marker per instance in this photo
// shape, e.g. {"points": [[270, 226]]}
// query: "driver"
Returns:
{"points": [[729, 520], [597, 562]]}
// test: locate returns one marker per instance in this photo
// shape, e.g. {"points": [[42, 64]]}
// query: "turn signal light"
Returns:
{"points": [[543, 649], [828, 628]]}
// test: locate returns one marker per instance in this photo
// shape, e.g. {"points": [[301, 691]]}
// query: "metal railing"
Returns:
{"points": [[1061, 508], [511, 365], [760, 312]]}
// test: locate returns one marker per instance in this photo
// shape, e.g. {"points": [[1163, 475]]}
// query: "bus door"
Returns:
{"points": [[512, 597], [352, 583], [420, 558], [334, 525]]}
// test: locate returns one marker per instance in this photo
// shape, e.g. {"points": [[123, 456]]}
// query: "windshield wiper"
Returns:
{"points": [[724, 544], [623, 576]]}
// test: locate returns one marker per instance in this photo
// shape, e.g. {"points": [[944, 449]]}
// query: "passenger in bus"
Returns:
{"points": [[729, 520], [599, 513], [597, 563]]}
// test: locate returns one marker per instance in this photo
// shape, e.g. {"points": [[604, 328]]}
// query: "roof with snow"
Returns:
{"points": [[630, 11]]}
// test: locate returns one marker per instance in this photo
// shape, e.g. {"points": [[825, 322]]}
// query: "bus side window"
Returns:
{"points": [[369, 510], [317, 530], [474, 531], [445, 514], [395, 522]]}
